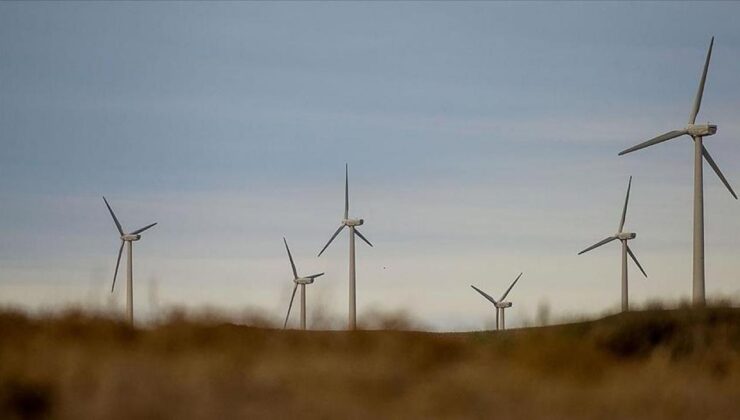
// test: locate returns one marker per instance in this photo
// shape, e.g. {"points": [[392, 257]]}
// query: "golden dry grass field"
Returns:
{"points": [[660, 364]]}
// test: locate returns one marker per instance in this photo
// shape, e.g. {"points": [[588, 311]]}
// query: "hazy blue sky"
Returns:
{"points": [[482, 140]]}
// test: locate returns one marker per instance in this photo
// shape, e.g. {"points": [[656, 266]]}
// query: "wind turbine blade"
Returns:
{"points": [[346, 191], [118, 262], [313, 276], [137, 231], [700, 91], [290, 306], [714, 166], [635, 260], [510, 287], [115, 219], [362, 237], [598, 244], [485, 295], [292, 264], [655, 140], [624, 211], [331, 239]]}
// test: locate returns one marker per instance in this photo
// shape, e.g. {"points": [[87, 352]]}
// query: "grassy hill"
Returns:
{"points": [[667, 364]]}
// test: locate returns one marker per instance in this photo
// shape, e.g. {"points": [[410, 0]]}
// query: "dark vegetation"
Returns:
{"points": [[650, 364]]}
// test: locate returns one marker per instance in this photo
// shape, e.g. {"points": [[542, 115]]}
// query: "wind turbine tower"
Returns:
{"points": [[697, 132], [352, 225], [623, 237], [302, 281], [500, 305], [126, 239]]}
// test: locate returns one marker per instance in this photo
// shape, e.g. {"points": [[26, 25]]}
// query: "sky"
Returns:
{"points": [[481, 138]]}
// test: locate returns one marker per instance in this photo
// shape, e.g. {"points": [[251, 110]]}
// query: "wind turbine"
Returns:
{"points": [[352, 225], [303, 281], [501, 304], [623, 237], [127, 239], [697, 133]]}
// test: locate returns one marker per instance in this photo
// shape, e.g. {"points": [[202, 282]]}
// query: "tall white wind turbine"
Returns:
{"points": [[623, 237], [500, 304], [302, 281], [352, 225], [126, 239], [697, 133]]}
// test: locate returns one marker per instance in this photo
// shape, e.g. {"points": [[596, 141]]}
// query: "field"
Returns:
{"points": [[659, 364]]}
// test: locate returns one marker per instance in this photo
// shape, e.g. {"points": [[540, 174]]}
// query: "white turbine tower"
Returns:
{"points": [[697, 133], [501, 305], [302, 281], [352, 225], [623, 237], [126, 239]]}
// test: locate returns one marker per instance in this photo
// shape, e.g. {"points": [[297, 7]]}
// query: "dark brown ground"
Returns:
{"points": [[654, 364]]}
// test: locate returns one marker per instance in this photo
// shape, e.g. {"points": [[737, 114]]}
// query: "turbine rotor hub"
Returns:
{"points": [[130, 238], [353, 222], [701, 130], [303, 280], [624, 236], [503, 305]]}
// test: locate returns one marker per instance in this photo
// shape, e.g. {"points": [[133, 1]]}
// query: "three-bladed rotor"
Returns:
{"points": [[621, 234], [346, 221], [692, 129], [500, 303], [125, 237]]}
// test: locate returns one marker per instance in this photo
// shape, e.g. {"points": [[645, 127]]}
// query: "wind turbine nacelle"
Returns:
{"points": [[503, 305], [353, 222], [131, 237], [626, 235], [701, 130], [303, 280]]}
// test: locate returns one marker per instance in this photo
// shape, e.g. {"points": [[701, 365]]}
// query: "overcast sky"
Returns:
{"points": [[482, 141]]}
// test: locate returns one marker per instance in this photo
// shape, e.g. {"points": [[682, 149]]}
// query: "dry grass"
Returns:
{"points": [[654, 364]]}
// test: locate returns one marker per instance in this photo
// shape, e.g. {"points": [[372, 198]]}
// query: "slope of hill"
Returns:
{"points": [[654, 364]]}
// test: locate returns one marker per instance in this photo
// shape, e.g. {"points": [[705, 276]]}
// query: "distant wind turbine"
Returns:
{"points": [[501, 304], [697, 133], [623, 237], [352, 225], [127, 239], [302, 281]]}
